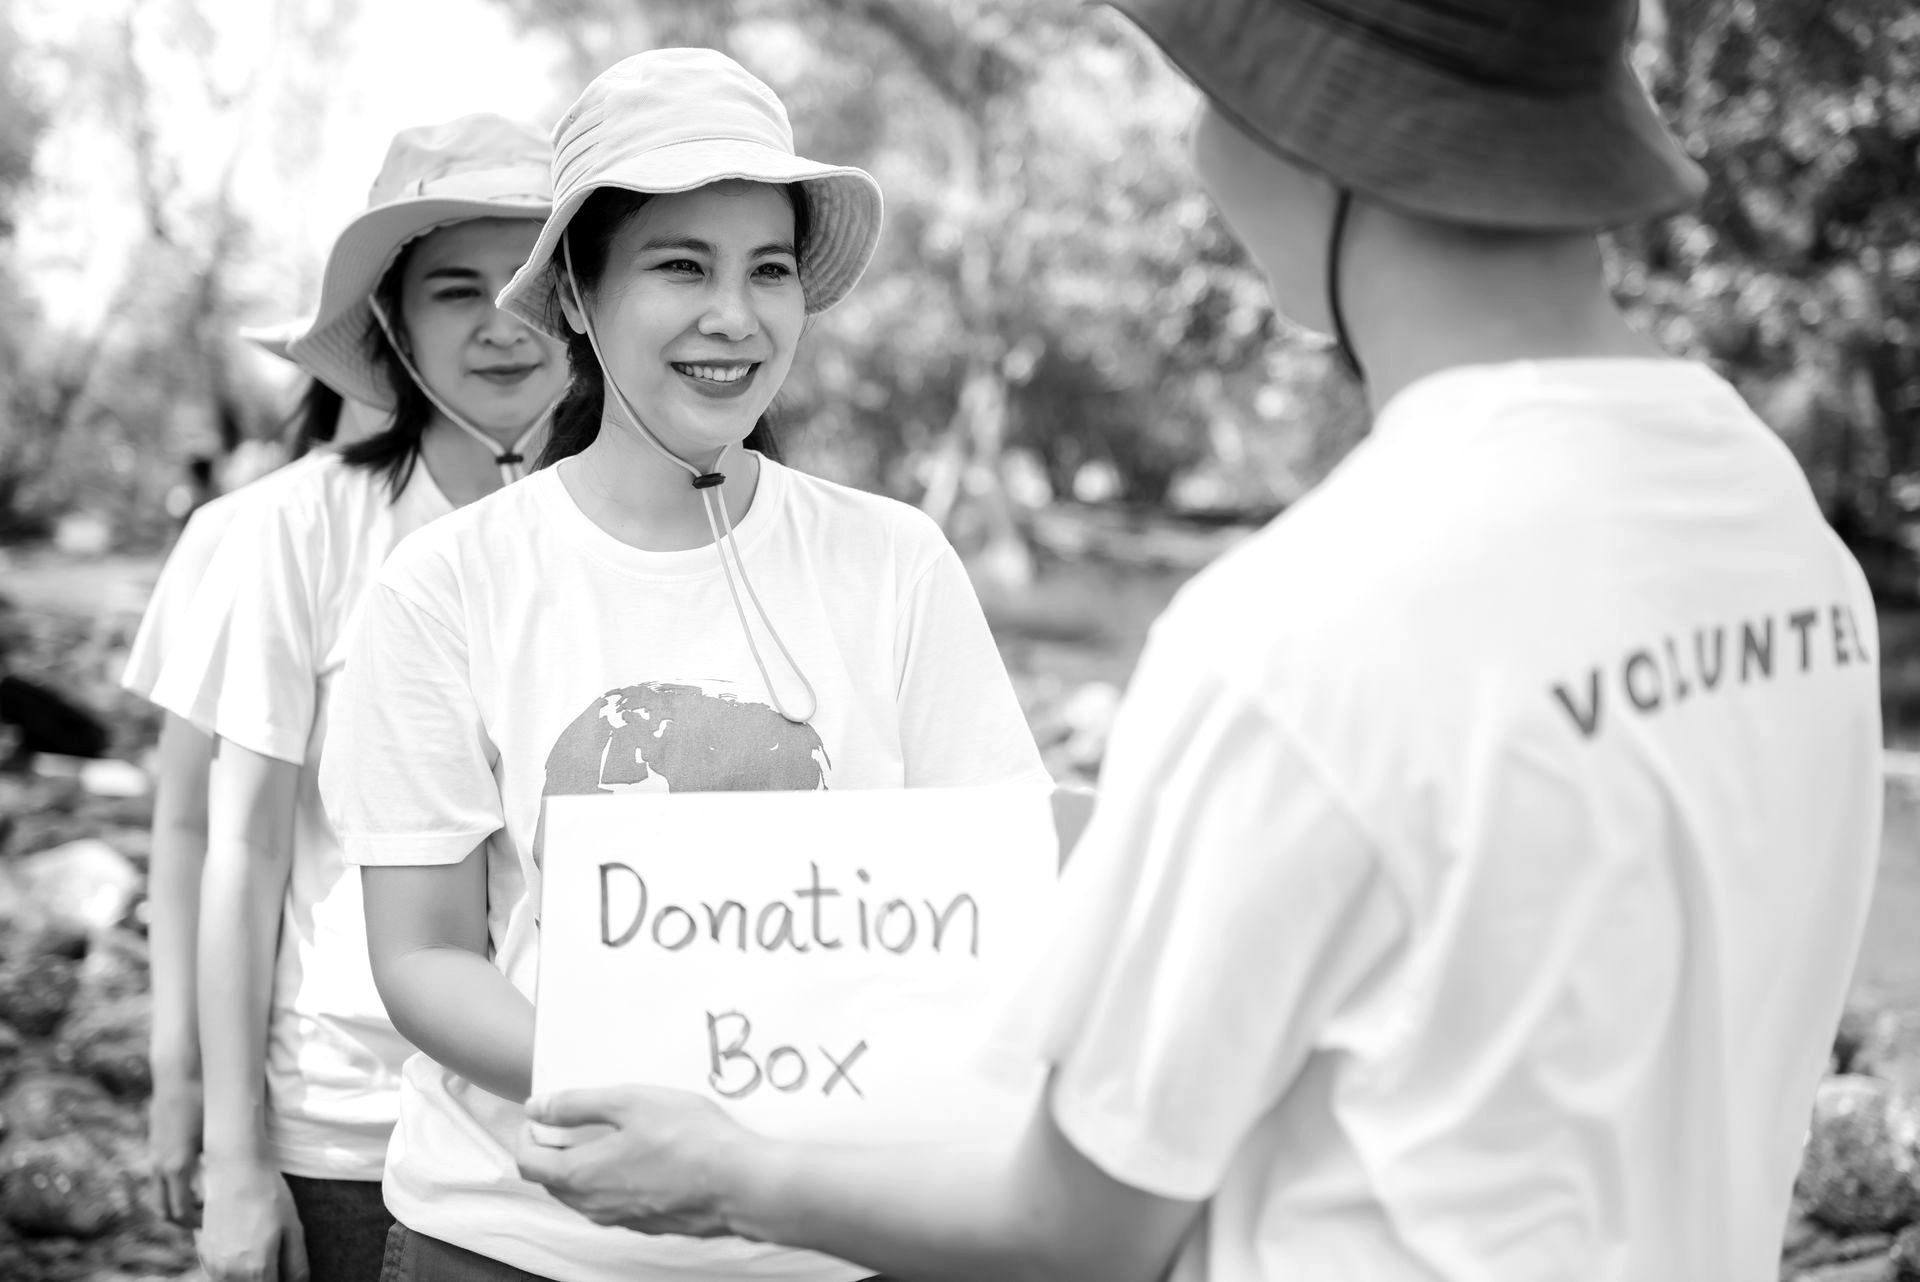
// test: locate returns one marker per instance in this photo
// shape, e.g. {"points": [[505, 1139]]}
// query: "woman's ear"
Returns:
{"points": [[570, 304]]}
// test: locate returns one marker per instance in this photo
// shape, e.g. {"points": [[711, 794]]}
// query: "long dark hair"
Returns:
{"points": [[589, 236], [395, 451], [314, 421]]}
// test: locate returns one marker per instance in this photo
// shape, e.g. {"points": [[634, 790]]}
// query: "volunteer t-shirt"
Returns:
{"points": [[516, 651], [1482, 851], [256, 665], [171, 602]]}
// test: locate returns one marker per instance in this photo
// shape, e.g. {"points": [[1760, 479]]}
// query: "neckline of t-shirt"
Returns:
{"points": [[421, 487], [1622, 378], [579, 529], [420, 490]]}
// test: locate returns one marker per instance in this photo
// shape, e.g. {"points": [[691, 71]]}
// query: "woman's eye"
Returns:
{"points": [[679, 266], [774, 271], [459, 293]]}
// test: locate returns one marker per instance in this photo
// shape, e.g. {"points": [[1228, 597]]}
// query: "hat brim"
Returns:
{"points": [[273, 339], [1421, 139], [844, 210], [333, 349]]}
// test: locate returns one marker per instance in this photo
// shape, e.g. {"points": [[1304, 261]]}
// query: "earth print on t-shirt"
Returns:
{"points": [[672, 737]]}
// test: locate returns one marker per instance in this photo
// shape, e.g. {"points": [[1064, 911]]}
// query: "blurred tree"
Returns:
{"points": [[22, 122], [151, 377], [1799, 275]]}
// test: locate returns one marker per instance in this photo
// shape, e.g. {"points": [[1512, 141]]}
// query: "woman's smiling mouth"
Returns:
{"points": [[729, 379], [507, 375]]}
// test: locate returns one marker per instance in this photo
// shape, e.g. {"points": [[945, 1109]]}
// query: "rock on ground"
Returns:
{"points": [[108, 1043], [63, 1186], [1858, 1173], [36, 991]]}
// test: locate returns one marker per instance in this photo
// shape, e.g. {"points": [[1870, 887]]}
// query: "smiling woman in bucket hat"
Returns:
{"points": [[665, 607], [301, 1063], [1459, 903]]}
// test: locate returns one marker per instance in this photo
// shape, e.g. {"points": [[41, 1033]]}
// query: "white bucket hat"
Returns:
{"points": [[479, 166], [672, 120], [358, 420]]}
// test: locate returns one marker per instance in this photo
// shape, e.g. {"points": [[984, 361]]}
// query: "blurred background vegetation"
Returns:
{"points": [[1058, 347]]}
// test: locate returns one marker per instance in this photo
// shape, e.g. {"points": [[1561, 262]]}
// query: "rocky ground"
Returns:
{"points": [[73, 960]]}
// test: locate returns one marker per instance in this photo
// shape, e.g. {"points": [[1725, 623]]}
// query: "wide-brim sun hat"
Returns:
{"points": [[274, 337], [358, 420], [478, 166], [1519, 114], [673, 120]]}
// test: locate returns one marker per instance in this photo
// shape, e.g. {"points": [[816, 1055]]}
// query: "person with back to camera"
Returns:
{"points": [[1483, 847], [662, 607], [301, 1062]]}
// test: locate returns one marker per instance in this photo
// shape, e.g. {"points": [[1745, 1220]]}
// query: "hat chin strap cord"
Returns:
{"points": [[708, 485], [1336, 238], [512, 461]]}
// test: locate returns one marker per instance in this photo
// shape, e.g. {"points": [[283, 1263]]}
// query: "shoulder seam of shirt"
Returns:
{"points": [[421, 608], [921, 575]]}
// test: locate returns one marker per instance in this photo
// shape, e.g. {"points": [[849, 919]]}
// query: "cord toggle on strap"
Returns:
{"points": [[708, 480]]}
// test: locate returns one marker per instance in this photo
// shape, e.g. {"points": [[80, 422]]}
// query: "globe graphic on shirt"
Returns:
{"points": [[673, 737]]}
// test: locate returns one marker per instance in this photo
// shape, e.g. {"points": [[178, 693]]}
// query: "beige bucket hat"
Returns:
{"points": [[479, 166], [675, 119]]}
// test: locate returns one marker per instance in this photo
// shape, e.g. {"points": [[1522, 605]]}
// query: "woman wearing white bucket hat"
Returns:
{"points": [[301, 1063], [321, 420], [515, 650]]}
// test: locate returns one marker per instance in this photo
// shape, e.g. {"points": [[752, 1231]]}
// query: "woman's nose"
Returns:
{"points": [[729, 313]]}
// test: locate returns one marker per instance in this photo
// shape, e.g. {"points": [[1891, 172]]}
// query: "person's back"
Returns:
{"points": [[1571, 644]]}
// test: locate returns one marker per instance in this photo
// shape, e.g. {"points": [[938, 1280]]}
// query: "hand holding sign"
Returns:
{"points": [[651, 1164]]}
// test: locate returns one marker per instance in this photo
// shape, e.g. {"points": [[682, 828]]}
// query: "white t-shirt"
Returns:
{"points": [[516, 651], [171, 602], [1482, 852], [255, 665]]}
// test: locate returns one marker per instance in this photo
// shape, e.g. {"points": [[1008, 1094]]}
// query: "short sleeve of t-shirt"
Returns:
{"points": [[1221, 907], [960, 721], [170, 608], [398, 796], [245, 668]]}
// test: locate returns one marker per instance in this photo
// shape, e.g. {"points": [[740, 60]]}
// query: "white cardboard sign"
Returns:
{"points": [[824, 964]]}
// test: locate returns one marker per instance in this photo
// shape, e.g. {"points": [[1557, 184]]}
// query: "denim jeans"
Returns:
{"points": [[415, 1257], [346, 1223]]}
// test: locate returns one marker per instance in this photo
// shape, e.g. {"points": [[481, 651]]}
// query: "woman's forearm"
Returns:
{"points": [[456, 1006], [242, 891], [173, 897]]}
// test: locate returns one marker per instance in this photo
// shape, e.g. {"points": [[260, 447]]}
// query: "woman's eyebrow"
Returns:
{"points": [[694, 245], [458, 273]]}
